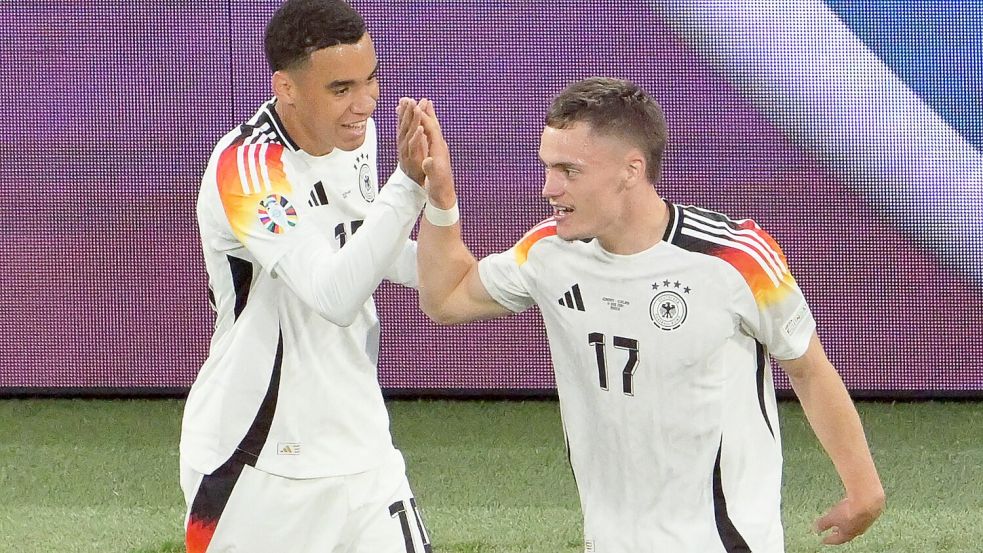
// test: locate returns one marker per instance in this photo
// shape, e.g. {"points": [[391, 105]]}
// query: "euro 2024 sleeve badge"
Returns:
{"points": [[277, 214]]}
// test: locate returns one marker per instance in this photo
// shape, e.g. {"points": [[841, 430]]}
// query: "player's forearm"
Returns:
{"points": [[337, 284], [443, 262], [403, 270], [837, 425]]}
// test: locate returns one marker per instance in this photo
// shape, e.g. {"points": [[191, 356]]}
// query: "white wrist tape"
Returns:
{"points": [[441, 217]]}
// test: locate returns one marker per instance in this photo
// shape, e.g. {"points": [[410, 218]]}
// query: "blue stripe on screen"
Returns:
{"points": [[933, 46]]}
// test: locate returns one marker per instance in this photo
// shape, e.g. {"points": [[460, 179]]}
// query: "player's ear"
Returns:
{"points": [[635, 167], [283, 87]]}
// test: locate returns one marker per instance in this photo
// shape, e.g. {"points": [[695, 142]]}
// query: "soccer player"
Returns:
{"points": [[660, 319], [285, 444]]}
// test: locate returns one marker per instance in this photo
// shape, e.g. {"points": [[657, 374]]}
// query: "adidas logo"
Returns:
{"points": [[287, 448], [572, 299], [318, 197]]}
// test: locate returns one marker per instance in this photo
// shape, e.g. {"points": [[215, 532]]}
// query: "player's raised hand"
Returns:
{"points": [[437, 165], [411, 143], [848, 519]]}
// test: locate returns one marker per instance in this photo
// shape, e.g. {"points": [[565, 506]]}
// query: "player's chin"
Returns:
{"points": [[349, 139], [567, 232], [351, 143]]}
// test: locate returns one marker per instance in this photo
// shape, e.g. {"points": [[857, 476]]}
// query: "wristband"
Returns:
{"points": [[441, 217]]}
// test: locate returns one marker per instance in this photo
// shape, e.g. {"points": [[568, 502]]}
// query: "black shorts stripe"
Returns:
{"points": [[424, 535], [209, 503], [732, 540], [399, 509]]}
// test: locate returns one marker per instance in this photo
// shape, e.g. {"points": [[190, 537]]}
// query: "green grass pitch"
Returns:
{"points": [[101, 476]]}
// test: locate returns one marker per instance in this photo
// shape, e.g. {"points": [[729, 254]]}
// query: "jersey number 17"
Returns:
{"points": [[597, 340]]}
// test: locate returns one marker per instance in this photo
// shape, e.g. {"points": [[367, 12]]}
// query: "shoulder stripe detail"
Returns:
{"points": [[743, 245], [280, 131], [746, 235], [261, 133], [252, 166], [673, 226], [541, 225], [265, 172], [535, 234], [727, 242], [247, 188], [245, 174]]}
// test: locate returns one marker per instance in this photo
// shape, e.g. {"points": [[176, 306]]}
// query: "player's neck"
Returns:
{"points": [[298, 132], [642, 225]]}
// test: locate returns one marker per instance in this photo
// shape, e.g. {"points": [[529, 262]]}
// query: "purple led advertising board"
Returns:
{"points": [[852, 131]]}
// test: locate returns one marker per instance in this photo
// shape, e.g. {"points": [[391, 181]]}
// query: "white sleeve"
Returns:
{"points": [[502, 277], [774, 312], [337, 283], [783, 323], [403, 270]]}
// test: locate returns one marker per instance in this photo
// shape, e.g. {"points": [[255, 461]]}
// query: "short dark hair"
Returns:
{"points": [[301, 27], [615, 107]]}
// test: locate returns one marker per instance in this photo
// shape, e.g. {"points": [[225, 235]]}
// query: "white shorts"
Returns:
{"points": [[240, 509]]}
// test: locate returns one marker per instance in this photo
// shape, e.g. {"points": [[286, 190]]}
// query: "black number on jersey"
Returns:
{"points": [[341, 235], [596, 339]]}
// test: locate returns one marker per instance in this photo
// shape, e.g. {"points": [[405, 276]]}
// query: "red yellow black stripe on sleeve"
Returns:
{"points": [[247, 175], [745, 246], [535, 234]]}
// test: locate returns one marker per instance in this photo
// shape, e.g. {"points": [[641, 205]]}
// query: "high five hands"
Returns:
{"points": [[411, 143], [423, 152]]}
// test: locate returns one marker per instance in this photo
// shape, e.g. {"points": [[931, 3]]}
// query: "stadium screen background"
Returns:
{"points": [[852, 131]]}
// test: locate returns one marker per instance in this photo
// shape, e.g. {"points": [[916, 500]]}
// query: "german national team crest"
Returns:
{"points": [[668, 308], [365, 183], [277, 214]]}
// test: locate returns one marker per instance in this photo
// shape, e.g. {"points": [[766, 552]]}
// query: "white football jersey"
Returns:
{"points": [[661, 364], [284, 388]]}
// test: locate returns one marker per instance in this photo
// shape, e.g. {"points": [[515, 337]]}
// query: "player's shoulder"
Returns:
{"points": [[263, 136], [543, 230], [695, 215], [742, 243], [252, 156]]}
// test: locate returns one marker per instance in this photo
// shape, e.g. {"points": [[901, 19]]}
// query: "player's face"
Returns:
{"points": [[334, 94], [585, 176]]}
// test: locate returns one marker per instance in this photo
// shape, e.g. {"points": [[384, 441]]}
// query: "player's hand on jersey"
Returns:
{"points": [[437, 165], [849, 518], [411, 143]]}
